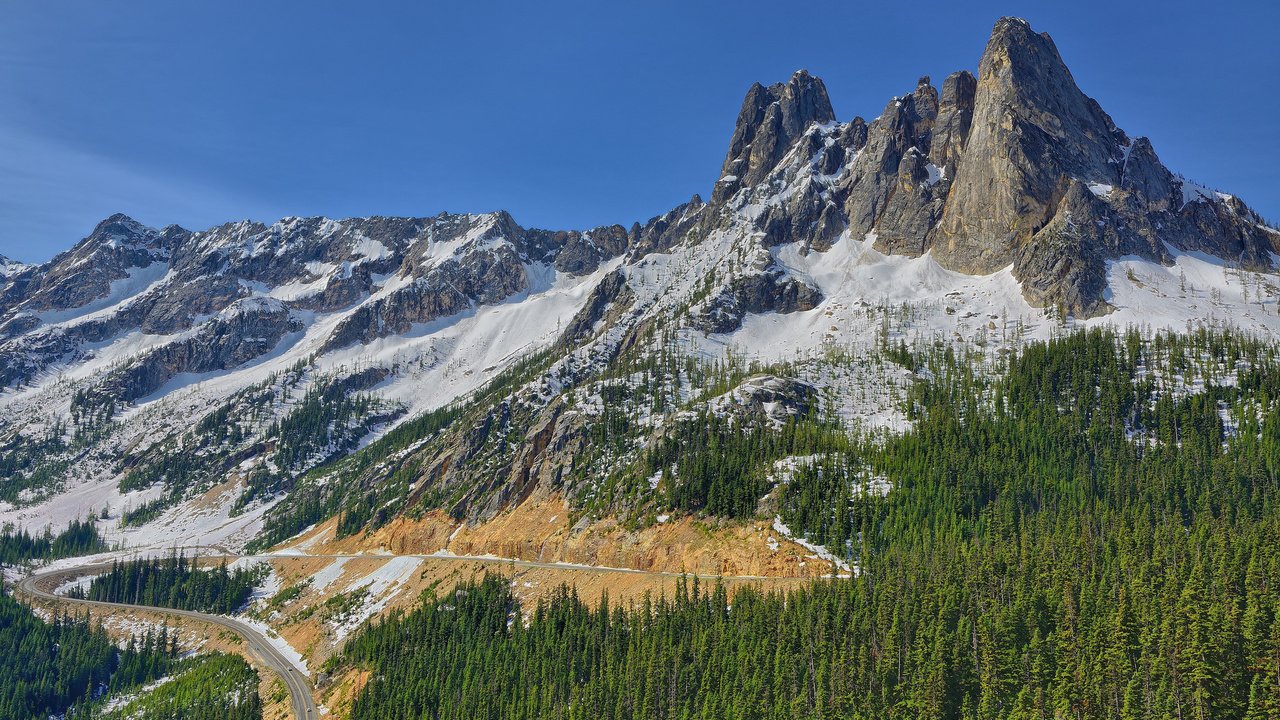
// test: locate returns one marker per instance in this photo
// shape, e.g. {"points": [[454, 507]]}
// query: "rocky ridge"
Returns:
{"points": [[976, 208]]}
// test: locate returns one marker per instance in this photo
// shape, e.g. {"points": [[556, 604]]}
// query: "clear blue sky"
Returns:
{"points": [[566, 114]]}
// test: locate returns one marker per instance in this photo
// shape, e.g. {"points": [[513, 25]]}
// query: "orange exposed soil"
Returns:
{"points": [[540, 530]]}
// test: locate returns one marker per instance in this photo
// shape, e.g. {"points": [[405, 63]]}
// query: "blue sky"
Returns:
{"points": [[566, 114]]}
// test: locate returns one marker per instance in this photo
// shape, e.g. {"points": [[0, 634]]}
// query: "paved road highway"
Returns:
{"points": [[509, 562], [304, 707], [42, 585]]}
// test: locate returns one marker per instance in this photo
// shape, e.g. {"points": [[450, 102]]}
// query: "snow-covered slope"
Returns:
{"points": [[10, 268], [117, 389], [188, 382]]}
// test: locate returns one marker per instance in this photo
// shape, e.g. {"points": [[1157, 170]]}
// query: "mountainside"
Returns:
{"points": [[404, 375]]}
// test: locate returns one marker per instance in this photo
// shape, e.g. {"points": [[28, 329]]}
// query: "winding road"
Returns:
{"points": [[304, 707], [43, 586]]}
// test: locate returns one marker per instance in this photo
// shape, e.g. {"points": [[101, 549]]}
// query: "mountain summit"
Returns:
{"points": [[771, 120], [146, 366], [1017, 167]]}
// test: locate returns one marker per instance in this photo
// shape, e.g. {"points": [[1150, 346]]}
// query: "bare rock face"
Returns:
{"points": [[1065, 262], [893, 166], [770, 121], [118, 246], [1021, 162], [807, 212], [1032, 130], [1224, 226], [776, 398], [1144, 175], [955, 117], [663, 232], [612, 293], [580, 253], [487, 269], [770, 290], [248, 330], [177, 309]]}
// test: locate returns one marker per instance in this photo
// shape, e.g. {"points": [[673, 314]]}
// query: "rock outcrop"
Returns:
{"points": [[250, 329], [1014, 168], [770, 121], [1032, 131], [769, 290]]}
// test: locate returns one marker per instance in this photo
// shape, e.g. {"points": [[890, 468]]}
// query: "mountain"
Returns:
{"points": [[10, 268], [249, 381]]}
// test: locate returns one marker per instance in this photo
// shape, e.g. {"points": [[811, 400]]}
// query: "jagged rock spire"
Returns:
{"points": [[1032, 128], [770, 121], [887, 187], [987, 174], [955, 116]]}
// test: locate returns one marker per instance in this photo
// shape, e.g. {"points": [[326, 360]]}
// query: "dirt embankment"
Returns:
{"points": [[539, 530]]}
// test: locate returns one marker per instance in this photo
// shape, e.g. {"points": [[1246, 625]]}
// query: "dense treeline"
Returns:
{"points": [[723, 468], [49, 667], [207, 687], [80, 538], [173, 582], [1092, 533]]}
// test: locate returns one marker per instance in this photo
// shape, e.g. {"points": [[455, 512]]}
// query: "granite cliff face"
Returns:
{"points": [[1032, 132], [1014, 168]]}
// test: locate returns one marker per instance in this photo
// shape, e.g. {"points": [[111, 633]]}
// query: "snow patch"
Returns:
{"points": [[327, 575], [818, 551]]}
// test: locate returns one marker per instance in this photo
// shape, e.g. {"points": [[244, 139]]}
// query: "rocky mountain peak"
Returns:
{"points": [[10, 267], [986, 174], [1032, 130], [118, 223], [955, 116], [1025, 73], [118, 247], [124, 236], [770, 121]]}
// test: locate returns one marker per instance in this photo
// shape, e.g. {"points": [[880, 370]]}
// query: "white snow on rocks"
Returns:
{"points": [[379, 588], [819, 552]]}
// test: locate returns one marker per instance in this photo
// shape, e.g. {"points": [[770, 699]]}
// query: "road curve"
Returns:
{"points": [[304, 707], [299, 690]]}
